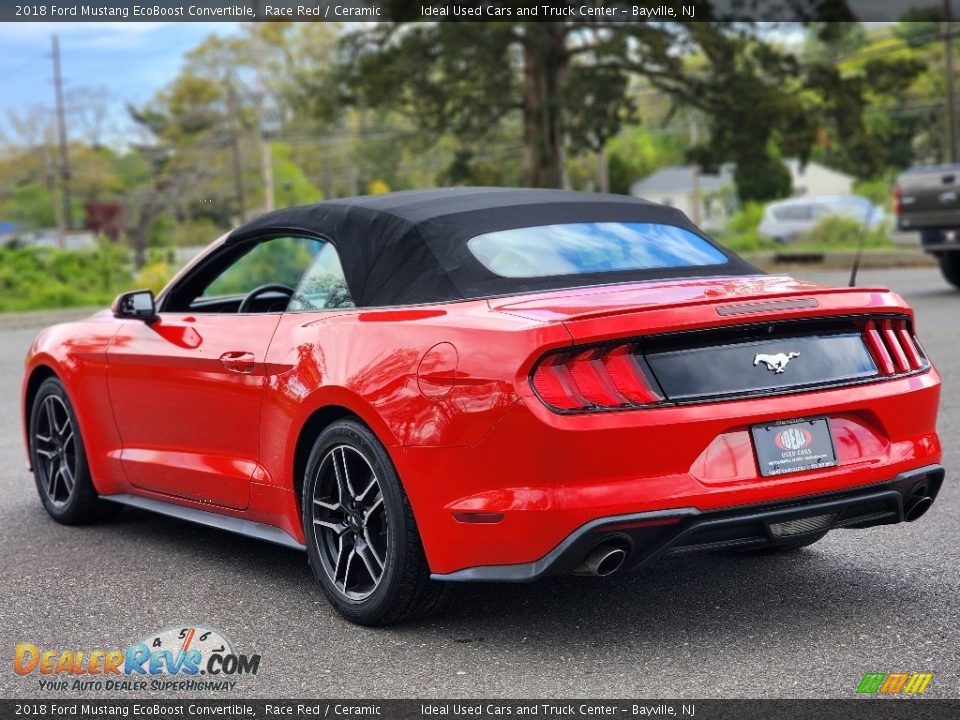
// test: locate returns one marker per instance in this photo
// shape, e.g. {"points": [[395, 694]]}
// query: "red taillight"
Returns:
{"points": [[554, 385], [896, 199], [593, 379], [896, 349], [624, 370], [881, 355], [892, 346], [909, 345], [594, 384]]}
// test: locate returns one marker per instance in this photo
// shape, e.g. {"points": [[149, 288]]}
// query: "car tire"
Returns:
{"points": [[362, 539], [59, 460], [950, 267]]}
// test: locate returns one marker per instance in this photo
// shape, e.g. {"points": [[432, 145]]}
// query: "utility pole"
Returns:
{"points": [[603, 170], [695, 185], [266, 159], [235, 147], [64, 165], [50, 167], [353, 173], [948, 37]]}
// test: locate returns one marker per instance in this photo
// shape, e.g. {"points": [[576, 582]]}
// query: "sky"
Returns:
{"points": [[132, 60]]}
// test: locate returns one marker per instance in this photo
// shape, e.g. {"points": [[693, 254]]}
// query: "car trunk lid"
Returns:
{"points": [[724, 337], [599, 312]]}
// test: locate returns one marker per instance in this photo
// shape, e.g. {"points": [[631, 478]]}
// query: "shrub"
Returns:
{"points": [[154, 275], [199, 232], [747, 219], [843, 233], [878, 191], [740, 233], [761, 179], [35, 278]]}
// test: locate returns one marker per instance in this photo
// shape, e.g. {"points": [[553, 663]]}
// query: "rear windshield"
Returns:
{"points": [[585, 248]]}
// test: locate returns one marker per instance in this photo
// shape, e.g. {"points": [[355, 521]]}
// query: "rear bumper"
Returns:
{"points": [[940, 240], [922, 221], [651, 535], [548, 475]]}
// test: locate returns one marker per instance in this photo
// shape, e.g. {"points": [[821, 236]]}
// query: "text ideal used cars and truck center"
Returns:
{"points": [[486, 385]]}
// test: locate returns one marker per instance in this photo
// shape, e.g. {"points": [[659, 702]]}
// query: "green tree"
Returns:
{"points": [[638, 151], [877, 95], [468, 78], [33, 205], [602, 94], [761, 178]]}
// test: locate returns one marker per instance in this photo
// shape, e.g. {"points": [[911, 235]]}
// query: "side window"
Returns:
{"points": [[279, 261], [794, 213], [323, 286]]}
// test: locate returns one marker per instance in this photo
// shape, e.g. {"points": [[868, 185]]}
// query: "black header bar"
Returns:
{"points": [[861, 709], [491, 11]]}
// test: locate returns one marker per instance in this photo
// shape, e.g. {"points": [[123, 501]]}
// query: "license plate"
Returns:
{"points": [[789, 446]]}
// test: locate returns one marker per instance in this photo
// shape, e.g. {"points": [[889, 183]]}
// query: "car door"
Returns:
{"points": [[795, 219], [186, 389]]}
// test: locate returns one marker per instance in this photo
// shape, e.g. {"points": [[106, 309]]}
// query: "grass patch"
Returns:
{"points": [[831, 234], [840, 233], [42, 278]]}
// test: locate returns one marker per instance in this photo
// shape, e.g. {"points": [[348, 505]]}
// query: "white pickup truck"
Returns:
{"points": [[927, 200]]}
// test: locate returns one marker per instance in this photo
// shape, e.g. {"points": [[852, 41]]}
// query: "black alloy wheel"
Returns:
{"points": [[362, 539], [59, 460]]}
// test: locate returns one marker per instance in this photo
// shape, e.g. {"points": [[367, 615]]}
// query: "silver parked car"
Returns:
{"points": [[786, 220]]}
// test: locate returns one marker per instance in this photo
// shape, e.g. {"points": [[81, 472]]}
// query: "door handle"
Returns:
{"points": [[238, 361]]}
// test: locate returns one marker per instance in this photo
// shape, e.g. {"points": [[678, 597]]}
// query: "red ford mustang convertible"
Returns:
{"points": [[486, 384]]}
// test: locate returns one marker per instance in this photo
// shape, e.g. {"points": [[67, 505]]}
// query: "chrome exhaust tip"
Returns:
{"points": [[602, 561], [918, 508]]}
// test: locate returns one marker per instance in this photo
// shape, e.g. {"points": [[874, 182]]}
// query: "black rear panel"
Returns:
{"points": [[779, 356], [760, 359], [741, 368]]}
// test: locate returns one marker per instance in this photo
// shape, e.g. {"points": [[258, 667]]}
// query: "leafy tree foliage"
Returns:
{"points": [[567, 81], [859, 100], [762, 178]]}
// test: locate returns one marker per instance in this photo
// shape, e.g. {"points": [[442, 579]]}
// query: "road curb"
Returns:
{"points": [[871, 260], [42, 318]]}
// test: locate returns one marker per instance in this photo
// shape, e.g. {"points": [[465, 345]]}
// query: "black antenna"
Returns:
{"points": [[860, 243]]}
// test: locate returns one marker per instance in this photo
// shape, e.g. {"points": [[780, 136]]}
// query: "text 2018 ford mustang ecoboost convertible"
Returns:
{"points": [[486, 384]]}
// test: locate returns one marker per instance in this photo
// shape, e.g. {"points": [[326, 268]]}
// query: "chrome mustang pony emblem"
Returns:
{"points": [[777, 363]]}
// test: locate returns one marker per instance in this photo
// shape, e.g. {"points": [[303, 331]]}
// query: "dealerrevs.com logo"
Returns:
{"points": [[188, 657]]}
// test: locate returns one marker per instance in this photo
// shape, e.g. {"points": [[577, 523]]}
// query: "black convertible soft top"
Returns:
{"points": [[411, 247]]}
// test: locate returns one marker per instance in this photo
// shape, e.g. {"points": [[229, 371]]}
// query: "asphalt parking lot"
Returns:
{"points": [[806, 625]]}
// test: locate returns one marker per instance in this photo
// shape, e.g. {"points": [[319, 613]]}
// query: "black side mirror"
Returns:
{"points": [[136, 305]]}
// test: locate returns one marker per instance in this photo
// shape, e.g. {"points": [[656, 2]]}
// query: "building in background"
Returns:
{"points": [[674, 186], [816, 179]]}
